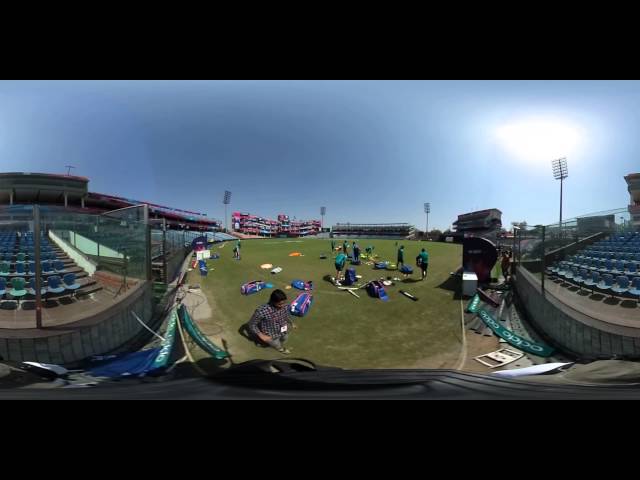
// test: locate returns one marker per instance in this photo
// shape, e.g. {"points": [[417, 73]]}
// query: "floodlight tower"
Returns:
{"points": [[560, 172], [226, 201], [323, 210], [427, 209]]}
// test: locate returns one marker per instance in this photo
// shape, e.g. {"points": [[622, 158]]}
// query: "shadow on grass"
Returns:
{"points": [[327, 278], [411, 280], [453, 284], [212, 365], [246, 333]]}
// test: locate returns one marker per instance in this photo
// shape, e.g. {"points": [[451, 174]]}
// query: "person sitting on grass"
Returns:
{"points": [[423, 262], [341, 259], [270, 323]]}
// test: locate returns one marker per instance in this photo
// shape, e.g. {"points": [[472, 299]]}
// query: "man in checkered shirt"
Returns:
{"points": [[270, 323]]}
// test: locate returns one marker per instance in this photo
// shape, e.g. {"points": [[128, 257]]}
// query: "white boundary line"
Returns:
{"points": [[463, 354]]}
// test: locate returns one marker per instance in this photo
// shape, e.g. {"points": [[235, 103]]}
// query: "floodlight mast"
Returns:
{"points": [[427, 210], [226, 201], [560, 172]]}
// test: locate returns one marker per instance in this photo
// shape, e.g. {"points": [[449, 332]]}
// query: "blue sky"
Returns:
{"points": [[370, 151]]}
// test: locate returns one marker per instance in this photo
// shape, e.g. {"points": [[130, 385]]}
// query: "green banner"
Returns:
{"points": [[523, 344], [201, 339], [474, 304], [167, 345]]}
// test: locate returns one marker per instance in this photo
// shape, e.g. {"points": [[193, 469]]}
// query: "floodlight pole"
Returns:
{"points": [[560, 222], [226, 200], [560, 172], [323, 210], [427, 209]]}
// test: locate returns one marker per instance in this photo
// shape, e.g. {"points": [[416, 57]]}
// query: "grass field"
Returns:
{"points": [[340, 329]]}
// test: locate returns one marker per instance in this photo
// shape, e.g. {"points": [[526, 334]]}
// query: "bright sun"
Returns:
{"points": [[539, 140]]}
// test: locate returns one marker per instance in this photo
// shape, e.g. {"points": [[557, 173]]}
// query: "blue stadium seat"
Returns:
{"points": [[31, 268], [605, 283], [621, 286], [581, 277], [568, 272], [593, 281], [47, 267], [70, 281], [635, 288], [575, 271], [618, 267], [54, 284], [561, 268]]}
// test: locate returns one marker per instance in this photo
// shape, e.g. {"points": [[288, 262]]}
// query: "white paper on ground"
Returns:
{"points": [[533, 370], [57, 369]]}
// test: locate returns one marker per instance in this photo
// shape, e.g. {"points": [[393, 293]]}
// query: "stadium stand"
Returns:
{"points": [[17, 269], [247, 224], [373, 230], [609, 266]]}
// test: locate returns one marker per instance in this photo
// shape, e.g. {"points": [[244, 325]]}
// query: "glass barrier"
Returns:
{"points": [[549, 247], [79, 254]]}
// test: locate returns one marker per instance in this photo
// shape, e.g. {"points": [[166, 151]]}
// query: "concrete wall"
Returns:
{"points": [[571, 331], [81, 260], [175, 261], [115, 327]]}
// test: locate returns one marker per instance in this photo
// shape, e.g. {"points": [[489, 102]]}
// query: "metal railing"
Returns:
{"points": [[537, 247]]}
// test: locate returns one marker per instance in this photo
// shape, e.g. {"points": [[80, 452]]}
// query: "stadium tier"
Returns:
{"points": [[610, 266], [374, 230], [483, 223], [73, 193], [248, 224]]}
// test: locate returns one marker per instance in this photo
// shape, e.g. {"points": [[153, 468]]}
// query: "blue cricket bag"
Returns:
{"points": [[376, 290], [300, 285], [252, 287], [406, 269], [350, 277], [300, 306]]}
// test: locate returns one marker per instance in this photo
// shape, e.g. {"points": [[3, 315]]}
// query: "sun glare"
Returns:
{"points": [[539, 140]]}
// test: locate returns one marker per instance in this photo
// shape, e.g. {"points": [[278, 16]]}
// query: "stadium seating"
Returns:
{"points": [[611, 265], [18, 269]]}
